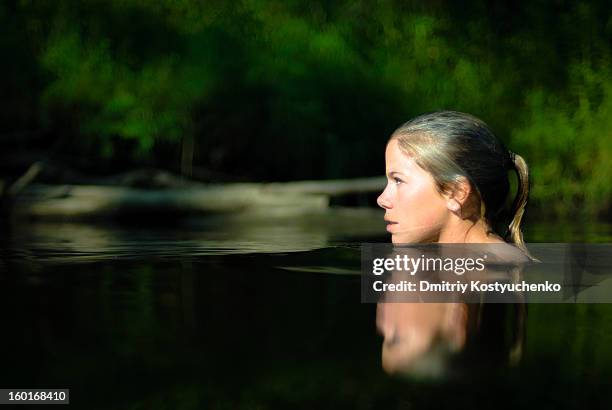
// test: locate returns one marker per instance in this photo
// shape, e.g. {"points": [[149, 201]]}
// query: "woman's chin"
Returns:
{"points": [[406, 239], [395, 238]]}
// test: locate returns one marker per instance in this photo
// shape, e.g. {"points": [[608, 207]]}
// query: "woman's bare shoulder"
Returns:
{"points": [[505, 252]]}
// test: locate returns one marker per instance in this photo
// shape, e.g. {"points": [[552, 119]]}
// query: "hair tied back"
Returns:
{"points": [[512, 156]]}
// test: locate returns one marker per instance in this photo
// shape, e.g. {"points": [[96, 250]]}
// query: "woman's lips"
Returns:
{"points": [[390, 225]]}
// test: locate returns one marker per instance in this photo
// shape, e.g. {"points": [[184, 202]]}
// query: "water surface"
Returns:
{"points": [[254, 313]]}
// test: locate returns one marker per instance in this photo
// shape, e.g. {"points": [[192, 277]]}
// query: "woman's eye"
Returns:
{"points": [[397, 181]]}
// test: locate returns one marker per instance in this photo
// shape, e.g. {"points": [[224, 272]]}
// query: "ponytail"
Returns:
{"points": [[520, 201]]}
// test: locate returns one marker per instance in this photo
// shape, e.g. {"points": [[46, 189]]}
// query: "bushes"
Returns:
{"points": [[273, 90], [567, 140]]}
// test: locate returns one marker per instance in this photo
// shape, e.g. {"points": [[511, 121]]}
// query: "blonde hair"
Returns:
{"points": [[520, 202], [451, 145]]}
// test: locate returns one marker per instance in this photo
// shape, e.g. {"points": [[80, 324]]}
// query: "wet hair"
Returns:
{"points": [[452, 145]]}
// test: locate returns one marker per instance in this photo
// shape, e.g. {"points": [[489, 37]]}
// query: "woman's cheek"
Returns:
{"points": [[405, 196]]}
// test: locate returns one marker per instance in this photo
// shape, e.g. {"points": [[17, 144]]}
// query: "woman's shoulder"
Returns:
{"points": [[505, 252]]}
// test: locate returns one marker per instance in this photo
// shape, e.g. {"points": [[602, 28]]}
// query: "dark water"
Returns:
{"points": [[255, 313]]}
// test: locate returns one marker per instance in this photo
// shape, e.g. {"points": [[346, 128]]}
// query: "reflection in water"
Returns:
{"points": [[218, 235], [420, 337], [446, 334], [447, 340]]}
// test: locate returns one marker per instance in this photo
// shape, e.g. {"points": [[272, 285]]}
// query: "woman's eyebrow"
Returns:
{"points": [[391, 173]]}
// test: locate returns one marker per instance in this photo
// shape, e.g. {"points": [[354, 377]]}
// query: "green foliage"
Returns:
{"points": [[293, 89], [109, 90], [567, 140]]}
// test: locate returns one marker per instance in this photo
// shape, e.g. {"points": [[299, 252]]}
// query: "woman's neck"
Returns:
{"points": [[468, 231]]}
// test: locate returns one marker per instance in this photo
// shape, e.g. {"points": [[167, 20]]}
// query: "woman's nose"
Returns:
{"points": [[383, 201]]}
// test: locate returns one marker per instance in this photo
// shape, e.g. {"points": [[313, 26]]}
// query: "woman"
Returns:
{"points": [[448, 183]]}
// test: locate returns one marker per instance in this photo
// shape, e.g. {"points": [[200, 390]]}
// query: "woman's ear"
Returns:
{"points": [[457, 195], [453, 205]]}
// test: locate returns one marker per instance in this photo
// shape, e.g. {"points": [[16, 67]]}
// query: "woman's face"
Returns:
{"points": [[415, 211]]}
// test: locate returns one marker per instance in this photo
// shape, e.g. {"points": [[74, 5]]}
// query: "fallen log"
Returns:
{"points": [[329, 187], [88, 201]]}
